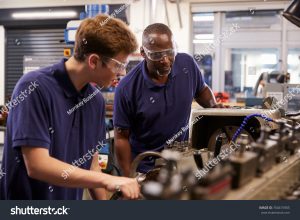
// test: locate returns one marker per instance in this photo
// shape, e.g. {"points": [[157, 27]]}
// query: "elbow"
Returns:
{"points": [[32, 171], [36, 161]]}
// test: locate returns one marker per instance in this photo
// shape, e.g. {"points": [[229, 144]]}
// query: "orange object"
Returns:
{"points": [[67, 52], [222, 97]]}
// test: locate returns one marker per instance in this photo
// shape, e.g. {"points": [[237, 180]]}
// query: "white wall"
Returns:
{"points": [[141, 15], [2, 75], [182, 34]]}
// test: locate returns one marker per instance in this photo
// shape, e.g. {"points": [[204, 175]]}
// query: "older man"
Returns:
{"points": [[153, 102]]}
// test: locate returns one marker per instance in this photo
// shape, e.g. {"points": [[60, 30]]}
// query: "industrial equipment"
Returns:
{"points": [[229, 160]]}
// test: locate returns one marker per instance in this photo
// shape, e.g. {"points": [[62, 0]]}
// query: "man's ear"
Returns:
{"points": [[93, 60], [142, 51]]}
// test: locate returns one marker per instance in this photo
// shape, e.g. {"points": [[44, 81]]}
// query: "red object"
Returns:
{"points": [[222, 97]]}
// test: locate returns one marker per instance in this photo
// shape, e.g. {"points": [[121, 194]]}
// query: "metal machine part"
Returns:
{"points": [[226, 121], [248, 171], [282, 138], [243, 163], [141, 157], [277, 183], [182, 146], [215, 184], [202, 157], [220, 141], [170, 181], [187, 155], [288, 95], [266, 151], [181, 183]]}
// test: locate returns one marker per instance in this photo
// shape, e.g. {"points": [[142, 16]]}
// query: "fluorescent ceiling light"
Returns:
{"points": [[43, 15], [203, 18], [195, 41], [204, 36]]}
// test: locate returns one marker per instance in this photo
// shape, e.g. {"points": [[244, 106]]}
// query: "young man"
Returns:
{"points": [[61, 121], [153, 102]]}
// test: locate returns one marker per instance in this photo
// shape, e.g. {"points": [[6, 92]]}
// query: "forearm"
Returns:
{"points": [[76, 177], [206, 98], [41, 166], [98, 194], [123, 153]]}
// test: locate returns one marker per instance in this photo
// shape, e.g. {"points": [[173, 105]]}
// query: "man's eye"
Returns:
{"points": [[170, 52], [156, 54], [118, 66]]}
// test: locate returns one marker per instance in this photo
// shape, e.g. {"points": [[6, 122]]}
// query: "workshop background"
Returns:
{"points": [[236, 43]]}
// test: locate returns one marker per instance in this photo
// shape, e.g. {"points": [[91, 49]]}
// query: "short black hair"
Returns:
{"points": [[158, 28]]}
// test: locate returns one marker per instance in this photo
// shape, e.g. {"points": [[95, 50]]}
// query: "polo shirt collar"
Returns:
{"points": [[149, 81], [60, 74]]}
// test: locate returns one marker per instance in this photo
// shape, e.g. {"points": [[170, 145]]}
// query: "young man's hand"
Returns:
{"points": [[37, 160], [128, 186]]}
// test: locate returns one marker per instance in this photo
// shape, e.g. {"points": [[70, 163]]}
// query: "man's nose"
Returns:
{"points": [[165, 59]]}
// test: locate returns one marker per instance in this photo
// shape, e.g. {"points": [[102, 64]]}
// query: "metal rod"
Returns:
{"points": [[167, 15], [179, 14]]}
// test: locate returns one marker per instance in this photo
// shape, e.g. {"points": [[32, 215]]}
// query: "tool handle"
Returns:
{"points": [[116, 196]]}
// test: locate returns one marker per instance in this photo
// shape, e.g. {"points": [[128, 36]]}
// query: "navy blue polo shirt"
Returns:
{"points": [[155, 113], [45, 117]]}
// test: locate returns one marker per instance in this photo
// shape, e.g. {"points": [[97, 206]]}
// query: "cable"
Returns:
{"points": [[245, 121]]}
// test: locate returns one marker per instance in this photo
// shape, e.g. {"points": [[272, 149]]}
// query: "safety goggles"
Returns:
{"points": [[117, 67], [159, 55]]}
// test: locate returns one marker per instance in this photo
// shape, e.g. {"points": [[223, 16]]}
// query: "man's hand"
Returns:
{"points": [[207, 99], [37, 162], [220, 105], [128, 186]]}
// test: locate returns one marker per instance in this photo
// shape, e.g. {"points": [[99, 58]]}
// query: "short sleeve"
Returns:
{"points": [[199, 79], [28, 115], [122, 110]]}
